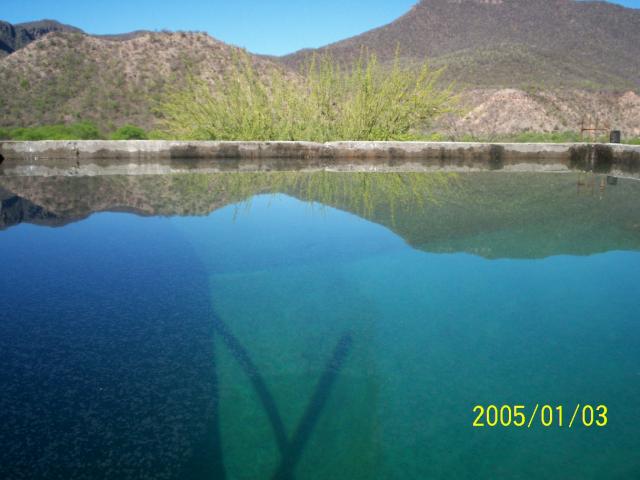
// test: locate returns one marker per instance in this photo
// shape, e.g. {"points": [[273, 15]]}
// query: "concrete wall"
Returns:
{"points": [[22, 157]]}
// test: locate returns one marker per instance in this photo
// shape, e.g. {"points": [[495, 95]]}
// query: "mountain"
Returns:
{"points": [[519, 66], [511, 43], [109, 80], [15, 37]]}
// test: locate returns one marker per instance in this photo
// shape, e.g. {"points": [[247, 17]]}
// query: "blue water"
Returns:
{"points": [[277, 337]]}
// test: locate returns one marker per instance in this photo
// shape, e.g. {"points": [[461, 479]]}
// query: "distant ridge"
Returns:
{"points": [[123, 36], [15, 37]]}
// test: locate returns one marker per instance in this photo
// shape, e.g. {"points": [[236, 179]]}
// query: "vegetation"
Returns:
{"points": [[74, 131], [129, 132], [88, 131], [531, 137], [68, 77], [553, 137], [74, 78], [365, 101], [536, 137]]}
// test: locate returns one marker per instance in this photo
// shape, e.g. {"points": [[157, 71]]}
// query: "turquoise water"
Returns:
{"points": [[317, 326]]}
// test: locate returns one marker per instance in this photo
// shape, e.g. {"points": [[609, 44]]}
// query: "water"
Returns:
{"points": [[316, 326]]}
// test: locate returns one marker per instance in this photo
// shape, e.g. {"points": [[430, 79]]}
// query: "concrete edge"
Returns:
{"points": [[601, 158]]}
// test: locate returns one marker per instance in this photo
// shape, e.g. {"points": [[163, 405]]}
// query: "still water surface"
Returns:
{"points": [[316, 326]]}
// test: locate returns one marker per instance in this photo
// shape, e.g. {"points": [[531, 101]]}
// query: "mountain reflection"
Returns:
{"points": [[516, 215]]}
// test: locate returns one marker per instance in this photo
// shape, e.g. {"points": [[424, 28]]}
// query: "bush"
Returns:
{"points": [[129, 132], [158, 135], [83, 131], [75, 131], [363, 102]]}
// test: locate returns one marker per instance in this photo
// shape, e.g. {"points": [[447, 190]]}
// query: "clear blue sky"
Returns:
{"points": [[262, 26]]}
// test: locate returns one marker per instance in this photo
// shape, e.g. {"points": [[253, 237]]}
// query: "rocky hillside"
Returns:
{"points": [[520, 65], [15, 37], [495, 113], [65, 77], [512, 43]]}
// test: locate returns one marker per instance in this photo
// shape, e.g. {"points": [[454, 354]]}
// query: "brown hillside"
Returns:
{"points": [[492, 113], [512, 43], [64, 77]]}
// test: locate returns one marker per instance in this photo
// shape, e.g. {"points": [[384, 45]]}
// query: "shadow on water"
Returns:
{"points": [[93, 354], [313, 411], [208, 462], [251, 370]]}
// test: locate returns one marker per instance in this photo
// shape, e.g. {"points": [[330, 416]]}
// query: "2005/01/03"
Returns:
{"points": [[544, 415]]}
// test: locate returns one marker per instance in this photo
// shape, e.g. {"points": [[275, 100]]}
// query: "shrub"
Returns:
{"points": [[129, 132], [75, 131], [366, 101], [158, 135], [83, 131]]}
